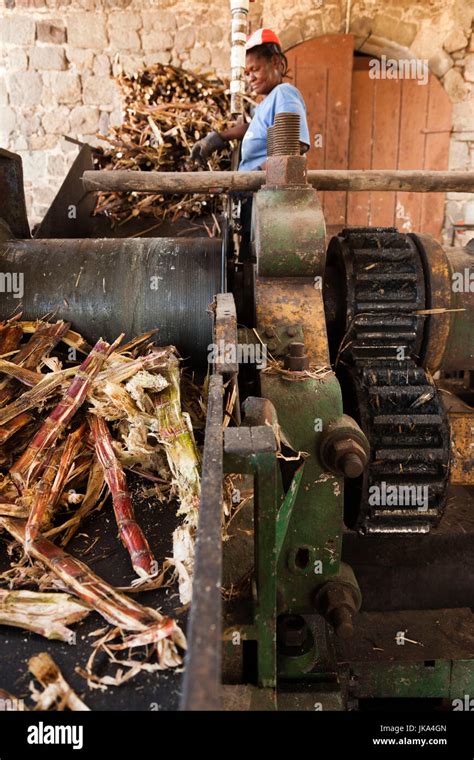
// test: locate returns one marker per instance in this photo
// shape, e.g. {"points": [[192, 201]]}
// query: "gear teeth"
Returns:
{"points": [[401, 411]]}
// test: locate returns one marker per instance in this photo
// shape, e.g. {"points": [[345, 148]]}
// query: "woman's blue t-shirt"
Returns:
{"points": [[283, 98]]}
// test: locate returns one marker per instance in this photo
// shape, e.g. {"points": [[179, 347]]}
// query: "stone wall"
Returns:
{"points": [[58, 59]]}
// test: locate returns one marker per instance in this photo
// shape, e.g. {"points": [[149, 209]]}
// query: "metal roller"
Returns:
{"points": [[105, 287]]}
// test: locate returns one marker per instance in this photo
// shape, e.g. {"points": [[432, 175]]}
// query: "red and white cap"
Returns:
{"points": [[260, 37]]}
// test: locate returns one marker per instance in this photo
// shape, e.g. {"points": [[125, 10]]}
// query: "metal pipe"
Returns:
{"points": [[239, 10], [415, 181]]}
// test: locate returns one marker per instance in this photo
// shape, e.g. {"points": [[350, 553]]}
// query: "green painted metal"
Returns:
{"points": [[290, 235], [462, 679], [400, 680], [311, 552], [253, 450], [285, 511]]}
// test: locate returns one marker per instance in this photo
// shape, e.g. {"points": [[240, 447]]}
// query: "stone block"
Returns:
{"points": [[458, 155], [153, 39], [52, 31], [48, 58], [211, 34], [163, 56], [463, 115], [159, 19], [80, 59], [56, 122], [455, 85], [84, 120], [17, 59], [66, 87], [102, 66], [290, 36], [456, 40], [393, 29], [200, 57], [440, 63], [56, 165], [361, 26], [18, 30], [87, 30], [7, 122], [469, 68], [185, 39], [26, 88], [99, 91]]}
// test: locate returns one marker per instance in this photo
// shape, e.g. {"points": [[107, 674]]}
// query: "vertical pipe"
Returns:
{"points": [[239, 10]]}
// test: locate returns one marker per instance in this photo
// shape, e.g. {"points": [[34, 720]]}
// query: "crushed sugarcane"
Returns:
{"points": [[43, 613], [69, 435], [56, 694]]}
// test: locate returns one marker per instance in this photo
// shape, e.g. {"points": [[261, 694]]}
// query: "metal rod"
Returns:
{"points": [[415, 181], [202, 678]]}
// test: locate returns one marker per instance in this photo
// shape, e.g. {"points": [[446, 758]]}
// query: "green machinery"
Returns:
{"points": [[349, 367], [351, 436]]}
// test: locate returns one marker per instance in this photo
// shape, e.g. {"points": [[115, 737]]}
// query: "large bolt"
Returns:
{"points": [[338, 604], [296, 360], [343, 454], [285, 136], [341, 621], [292, 631], [352, 465]]}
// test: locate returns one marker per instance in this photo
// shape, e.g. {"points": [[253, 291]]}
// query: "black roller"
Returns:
{"points": [[105, 287]]}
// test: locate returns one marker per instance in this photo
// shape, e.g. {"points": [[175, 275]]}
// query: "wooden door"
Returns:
{"points": [[322, 70], [371, 124], [397, 124]]}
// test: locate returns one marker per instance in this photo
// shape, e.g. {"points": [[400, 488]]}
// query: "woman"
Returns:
{"points": [[265, 67]]}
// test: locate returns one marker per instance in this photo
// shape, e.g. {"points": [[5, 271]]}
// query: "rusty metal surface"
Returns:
{"points": [[461, 424], [70, 214], [105, 287], [225, 335], [202, 679], [438, 296], [459, 354], [12, 194], [289, 301], [285, 171]]}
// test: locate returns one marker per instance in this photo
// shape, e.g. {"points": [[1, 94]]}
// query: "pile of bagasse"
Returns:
{"points": [[74, 420], [166, 110]]}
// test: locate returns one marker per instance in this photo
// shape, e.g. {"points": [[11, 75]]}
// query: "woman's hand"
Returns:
{"points": [[204, 148]]}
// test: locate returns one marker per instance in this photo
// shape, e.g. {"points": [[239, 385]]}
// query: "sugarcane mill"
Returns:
{"points": [[236, 394]]}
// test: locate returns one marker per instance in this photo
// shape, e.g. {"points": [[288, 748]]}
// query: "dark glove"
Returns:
{"points": [[204, 148]]}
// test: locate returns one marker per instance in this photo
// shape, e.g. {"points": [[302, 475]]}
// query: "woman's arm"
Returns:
{"points": [[234, 133]]}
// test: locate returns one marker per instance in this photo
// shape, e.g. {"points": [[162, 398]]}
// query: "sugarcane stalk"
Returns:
{"points": [[95, 486], [37, 395], [130, 533], [114, 606], [47, 614], [51, 484], [25, 376], [70, 338], [14, 425], [31, 460], [29, 356], [174, 430], [57, 689], [10, 335]]}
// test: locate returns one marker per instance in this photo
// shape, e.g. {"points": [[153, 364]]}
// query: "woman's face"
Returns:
{"points": [[262, 74]]}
